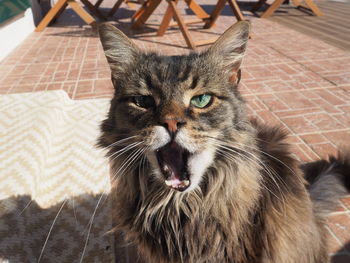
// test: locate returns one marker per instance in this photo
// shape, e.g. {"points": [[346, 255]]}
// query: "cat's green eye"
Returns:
{"points": [[144, 101], [202, 101]]}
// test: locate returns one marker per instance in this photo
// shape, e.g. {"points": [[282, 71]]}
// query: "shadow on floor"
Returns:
{"points": [[59, 233], [342, 255]]}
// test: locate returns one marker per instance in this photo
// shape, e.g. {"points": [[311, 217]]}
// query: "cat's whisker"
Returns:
{"points": [[129, 147], [277, 175], [124, 149], [27, 205], [121, 141], [269, 171], [90, 226], [50, 230], [263, 152], [264, 167], [255, 159], [98, 204], [130, 158], [232, 159]]}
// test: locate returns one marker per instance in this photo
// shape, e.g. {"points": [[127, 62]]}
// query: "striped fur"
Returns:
{"points": [[250, 205]]}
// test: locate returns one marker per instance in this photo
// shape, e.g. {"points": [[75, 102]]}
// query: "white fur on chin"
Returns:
{"points": [[198, 162]]}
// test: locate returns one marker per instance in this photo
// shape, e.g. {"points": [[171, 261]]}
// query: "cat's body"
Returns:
{"points": [[204, 184]]}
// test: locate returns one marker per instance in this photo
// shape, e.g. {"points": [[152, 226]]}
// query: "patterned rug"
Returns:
{"points": [[54, 182]]}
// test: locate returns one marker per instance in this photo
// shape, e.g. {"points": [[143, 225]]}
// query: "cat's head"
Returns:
{"points": [[174, 110]]}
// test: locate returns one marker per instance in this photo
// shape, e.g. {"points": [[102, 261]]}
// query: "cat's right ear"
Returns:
{"points": [[229, 49], [118, 48]]}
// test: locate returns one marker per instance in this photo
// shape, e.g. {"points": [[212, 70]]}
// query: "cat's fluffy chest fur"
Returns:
{"points": [[237, 220], [194, 180]]}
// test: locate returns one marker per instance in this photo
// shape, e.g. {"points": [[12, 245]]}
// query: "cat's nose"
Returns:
{"points": [[172, 125]]}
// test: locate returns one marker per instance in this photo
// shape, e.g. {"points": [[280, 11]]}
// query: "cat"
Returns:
{"points": [[194, 179]]}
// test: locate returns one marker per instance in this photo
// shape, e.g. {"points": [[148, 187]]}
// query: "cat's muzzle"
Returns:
{"points": [[172, 160]]}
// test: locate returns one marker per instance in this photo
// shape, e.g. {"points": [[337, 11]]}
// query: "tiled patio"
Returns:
{"points": [[289, 79]]}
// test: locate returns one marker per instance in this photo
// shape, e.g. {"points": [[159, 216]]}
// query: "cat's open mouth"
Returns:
{"points": [[172, 160]]}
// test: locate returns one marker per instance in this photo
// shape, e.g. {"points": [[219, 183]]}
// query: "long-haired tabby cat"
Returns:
{"points": [[197, 181]]}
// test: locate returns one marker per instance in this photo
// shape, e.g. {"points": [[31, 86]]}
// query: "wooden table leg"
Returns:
{"points": [[166, 20], [115, 8], [182, 25], [93, 9], [60, 5], [313, 7], [197, 9], [236, 10], [98, 3], [81, 12], [258, 5], [141, 20], [130, 4], [139, 12], [215, 14], [276, 4], [296, 2]]}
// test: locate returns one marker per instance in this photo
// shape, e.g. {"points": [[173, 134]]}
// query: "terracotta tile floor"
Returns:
{"points": [[289, 79]]}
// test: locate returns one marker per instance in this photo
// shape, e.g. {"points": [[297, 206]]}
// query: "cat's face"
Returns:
{"points": [[175, 109]]}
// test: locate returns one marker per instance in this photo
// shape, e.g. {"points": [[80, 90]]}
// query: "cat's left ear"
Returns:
{"points": [[230, 47]]}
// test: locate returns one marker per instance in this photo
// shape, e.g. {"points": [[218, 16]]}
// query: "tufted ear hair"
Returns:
{"points": [[229, 49], [120, 51]]}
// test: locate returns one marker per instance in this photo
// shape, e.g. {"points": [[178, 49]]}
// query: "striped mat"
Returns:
{"points": [[54, 182]]}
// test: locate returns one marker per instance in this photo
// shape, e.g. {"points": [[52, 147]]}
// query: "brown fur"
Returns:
{"points": [[235, 220], [251, 205]]}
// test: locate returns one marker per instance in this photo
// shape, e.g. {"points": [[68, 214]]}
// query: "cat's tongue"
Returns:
{"points": [[172, 160]]}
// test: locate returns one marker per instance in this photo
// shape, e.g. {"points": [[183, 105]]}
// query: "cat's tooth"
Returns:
{"points": [[186, 182], [168, 183]]}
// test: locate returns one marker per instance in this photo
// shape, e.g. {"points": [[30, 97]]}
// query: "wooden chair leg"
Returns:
{"points": [[197, 9], [258, 5], [276, 4], [142, 18], [215, 14], [51, 15], [313, 7], [296, 2], [130, 4], [115, 8], [236, 10], [166, 20], [98, 3], [182, 25], [81, 12], [93, 9]]}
